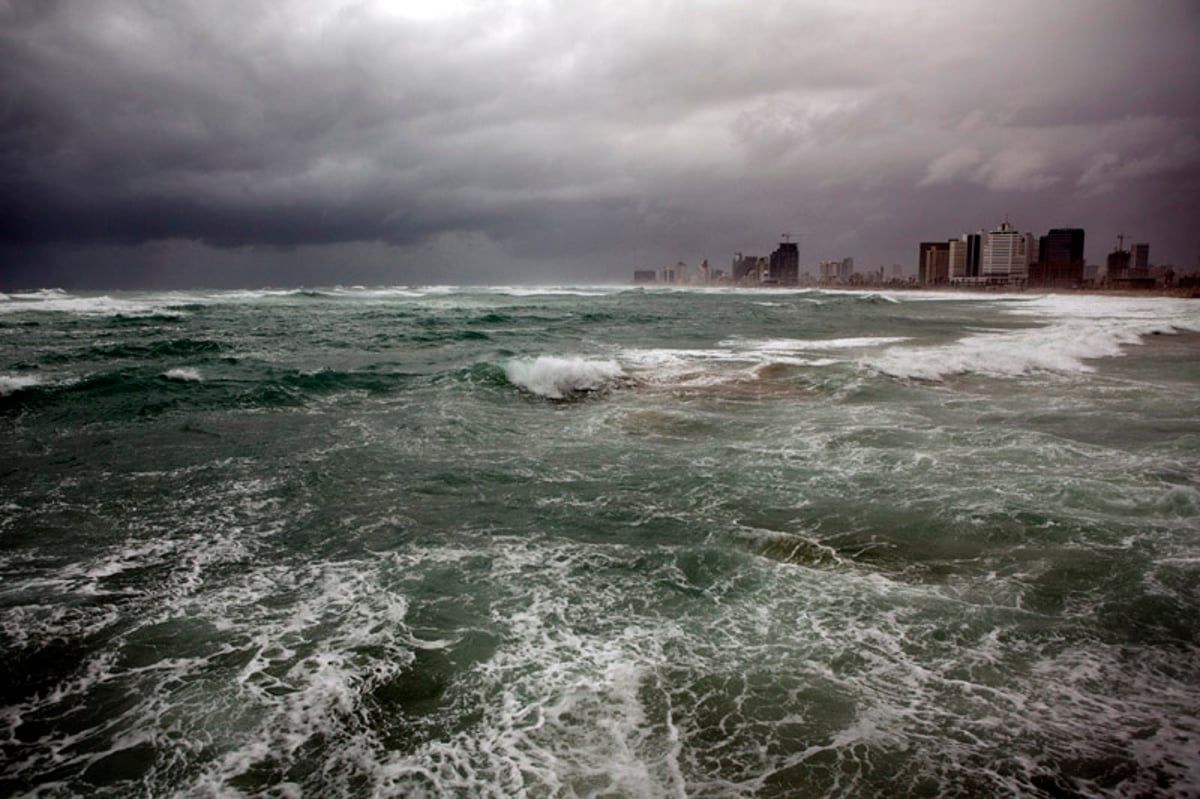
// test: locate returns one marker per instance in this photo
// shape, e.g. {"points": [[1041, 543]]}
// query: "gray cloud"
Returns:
{"points": [[584, 137]]}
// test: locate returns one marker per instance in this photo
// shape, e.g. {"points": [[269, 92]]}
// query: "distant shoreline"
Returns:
{"points": [[1191, 292]]}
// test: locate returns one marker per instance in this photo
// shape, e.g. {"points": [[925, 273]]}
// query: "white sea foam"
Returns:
{"points": [[186, 374], [39, 294], [543, 291], [557, 378], [382, 293], [802, 345], [736, 361], [10, 384], [1076, 330], [56, 300]]}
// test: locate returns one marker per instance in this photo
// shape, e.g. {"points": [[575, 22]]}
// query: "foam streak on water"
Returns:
{"points": [[596, 542]]}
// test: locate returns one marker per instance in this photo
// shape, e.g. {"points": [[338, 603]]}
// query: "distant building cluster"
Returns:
{"points": [[1006, 257], [1000, 258], [1003, 256], [780, 268]]}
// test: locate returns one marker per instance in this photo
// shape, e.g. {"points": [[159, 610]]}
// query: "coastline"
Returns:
{"points": [[1177, 293]]}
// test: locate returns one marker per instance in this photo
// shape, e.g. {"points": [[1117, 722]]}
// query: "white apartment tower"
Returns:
{"points": [[1005, 255]]}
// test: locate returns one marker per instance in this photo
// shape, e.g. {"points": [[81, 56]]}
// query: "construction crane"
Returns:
{"points": [[787, 237]]}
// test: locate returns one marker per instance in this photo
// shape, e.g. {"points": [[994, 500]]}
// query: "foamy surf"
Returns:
{"points": [[10, 384], [183, 374], [804, 345], [559, 378], [58, 301], [1076, 332]]}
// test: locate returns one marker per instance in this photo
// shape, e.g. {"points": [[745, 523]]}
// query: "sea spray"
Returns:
{"points": [[183, 374], [559, 378]]}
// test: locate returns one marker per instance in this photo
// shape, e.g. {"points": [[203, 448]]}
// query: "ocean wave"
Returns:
{"points": [[546, 291], [172, 348], [185, 374], [562, 378], [58, 301], [875, 297], [1078, 330], [11, 384], [710, 367], [36, 294], [801, 345]]}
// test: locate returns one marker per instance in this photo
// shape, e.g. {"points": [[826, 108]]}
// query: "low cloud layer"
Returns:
{"points": [[492, 140]]}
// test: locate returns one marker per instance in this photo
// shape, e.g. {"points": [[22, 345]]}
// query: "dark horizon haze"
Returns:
{"points": [[221, 144]]}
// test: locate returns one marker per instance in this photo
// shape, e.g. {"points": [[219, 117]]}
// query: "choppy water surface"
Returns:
{"points": [[598, 542]]}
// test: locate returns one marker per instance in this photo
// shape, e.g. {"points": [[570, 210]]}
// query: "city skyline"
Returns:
{"points": [[999, 257], [472, 141]]}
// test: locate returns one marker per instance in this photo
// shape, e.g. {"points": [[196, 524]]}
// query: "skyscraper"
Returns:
{"points": [[747, 269], [963, 257], [1006, 255], [785, 264], [934, 266], [1062, 245], [1117, 265], [846, 270], [1140, 259], [1060, 258]]}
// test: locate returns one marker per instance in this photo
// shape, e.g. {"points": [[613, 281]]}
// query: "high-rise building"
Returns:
{"points": [[1117, 265], [964, 255], [831, 273], [785, 264], [1060, 259], [846, 270], [1006, 255], [926, 263], [956, 259], [975, 252], [1140, 258], [934, 267], [748, 269], [1062, 245], [1129, 269]]}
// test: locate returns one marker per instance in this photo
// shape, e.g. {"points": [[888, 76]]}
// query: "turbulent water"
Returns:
{"points": [[598, 542]]}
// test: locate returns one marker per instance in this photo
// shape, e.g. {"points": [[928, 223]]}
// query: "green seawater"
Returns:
{"points": [[601, 542]]}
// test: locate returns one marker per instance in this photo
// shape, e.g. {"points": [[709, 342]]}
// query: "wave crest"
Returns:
{"points": [[562, 378], [184, 374], [11, 384]]}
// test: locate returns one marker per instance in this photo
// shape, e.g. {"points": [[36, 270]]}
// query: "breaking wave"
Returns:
{"points": [[10, 384], [1076, 335], [184, 374], [562, 378]]}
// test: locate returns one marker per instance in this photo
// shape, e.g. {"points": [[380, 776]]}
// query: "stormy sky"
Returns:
{"points": [[214, 143]]}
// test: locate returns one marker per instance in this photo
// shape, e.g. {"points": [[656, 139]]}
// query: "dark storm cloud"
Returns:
{"points": [[603, 133]]}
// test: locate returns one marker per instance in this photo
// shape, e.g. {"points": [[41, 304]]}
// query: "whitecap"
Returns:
{"points": [[789, 344], [185, 374], [558, 378], [1077, 330], [56, 300], [10, 384], [543, 291]]}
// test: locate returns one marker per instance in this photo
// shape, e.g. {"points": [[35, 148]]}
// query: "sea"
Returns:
{"points": [[599, 542]]}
